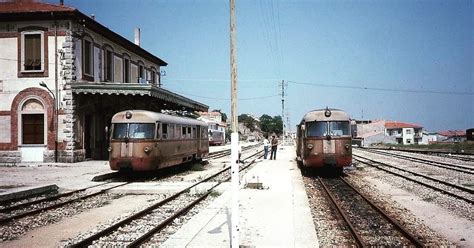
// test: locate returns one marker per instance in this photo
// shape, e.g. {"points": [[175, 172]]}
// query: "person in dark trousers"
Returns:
{"points": [[274, 148]]}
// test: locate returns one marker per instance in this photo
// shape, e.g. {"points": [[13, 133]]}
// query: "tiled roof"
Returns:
{"points": [[26, 10], [32, 6], [396, 125], [453, 133]]}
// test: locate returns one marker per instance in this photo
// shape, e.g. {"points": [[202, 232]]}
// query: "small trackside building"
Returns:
{"points": [[63, 75]]}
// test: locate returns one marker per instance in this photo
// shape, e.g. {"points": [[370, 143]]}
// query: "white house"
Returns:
{"points": [[404, 133]]}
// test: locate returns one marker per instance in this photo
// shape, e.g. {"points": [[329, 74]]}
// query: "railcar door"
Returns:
{"points": [[199, 138]]}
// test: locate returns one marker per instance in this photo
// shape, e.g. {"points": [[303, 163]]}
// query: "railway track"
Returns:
{"points": [[468, 157], [459, 168], [162, 214], [369, 225], [227, 152], [454, 190], [12, 210], [30, 208]]}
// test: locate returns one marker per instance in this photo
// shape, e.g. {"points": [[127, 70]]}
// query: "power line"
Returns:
{"points": [[382, 89], [227, 99]]}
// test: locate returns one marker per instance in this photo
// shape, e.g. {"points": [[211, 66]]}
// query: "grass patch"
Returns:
{"points": [[197, 167], [465, 146]]}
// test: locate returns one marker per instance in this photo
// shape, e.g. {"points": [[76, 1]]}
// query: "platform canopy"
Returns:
{"points": [[137, 90]]}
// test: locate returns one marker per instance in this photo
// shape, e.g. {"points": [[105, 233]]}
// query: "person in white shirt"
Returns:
{"points": [[266, 143]]}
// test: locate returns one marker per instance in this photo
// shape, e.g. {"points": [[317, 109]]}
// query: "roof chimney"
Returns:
{"points": [[61, 2], [137, 36], [93, 16]]}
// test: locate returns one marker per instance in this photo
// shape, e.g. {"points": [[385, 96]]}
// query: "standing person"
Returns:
{"points": [[274, 148], [266, 143]]}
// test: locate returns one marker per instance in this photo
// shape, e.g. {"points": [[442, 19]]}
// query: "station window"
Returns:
{"points": [[126, 70], [109, 65], [141, 72], [33, 51], [88, 56]]}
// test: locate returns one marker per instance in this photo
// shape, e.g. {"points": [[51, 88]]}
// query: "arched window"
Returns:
{"points": [[153, 76], [126, 68], [108, 64], [88, 58], [141, 72], [32, 122]]}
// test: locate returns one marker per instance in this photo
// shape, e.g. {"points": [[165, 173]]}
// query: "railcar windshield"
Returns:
{"points": [[134, 130], [120, 131], [332, 128], [316, 129], [338, 128]]}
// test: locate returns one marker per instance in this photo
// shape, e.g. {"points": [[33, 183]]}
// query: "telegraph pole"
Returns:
{"points": [[235, 131], [283, 106]]}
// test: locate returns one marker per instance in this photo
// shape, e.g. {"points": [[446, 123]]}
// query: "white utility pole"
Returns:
{"points": [[235, 131]]}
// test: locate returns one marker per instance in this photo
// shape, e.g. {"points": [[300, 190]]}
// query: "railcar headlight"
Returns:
{"points": [[109, 149], [147, 149], [347, 146], [310, 146]]}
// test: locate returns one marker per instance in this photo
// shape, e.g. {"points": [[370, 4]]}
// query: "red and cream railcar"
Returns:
{"points": [[144, 140], [324, 139]]}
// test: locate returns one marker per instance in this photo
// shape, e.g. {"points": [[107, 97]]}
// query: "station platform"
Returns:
{"points": [[273, 206]]}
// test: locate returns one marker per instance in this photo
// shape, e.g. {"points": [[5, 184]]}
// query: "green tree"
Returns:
{"points": [[248, 121], [271, 125], [265, 123], [278, 128]]}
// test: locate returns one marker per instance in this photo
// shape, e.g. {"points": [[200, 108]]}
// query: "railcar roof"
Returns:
{"points": [[318, 115], [144, 116]]}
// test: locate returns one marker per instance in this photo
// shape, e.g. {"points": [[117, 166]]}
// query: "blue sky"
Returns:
{"points": [[410, 61]]}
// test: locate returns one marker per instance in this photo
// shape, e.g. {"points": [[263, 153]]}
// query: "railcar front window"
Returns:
{"points": [[316, 129], [338, 128], [141, 131], [120, 131]]}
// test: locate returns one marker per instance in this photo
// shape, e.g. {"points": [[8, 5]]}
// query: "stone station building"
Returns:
{"points": [[63, 76]]}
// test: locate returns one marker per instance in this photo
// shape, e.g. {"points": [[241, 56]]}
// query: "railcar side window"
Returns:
{"points": [[183, 132], [141, 131], [164, 131], [189, 132], [203, 132], [316, 129], [171, 131], [194, 132], [120, 130], [338, 128], [177, 132], [158, 133]]}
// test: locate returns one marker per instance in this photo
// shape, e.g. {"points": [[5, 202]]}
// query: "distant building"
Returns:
{"points": [[215, 124], [211, 116], [404, 133], [388, 132], [452, 136], [430, 137]]}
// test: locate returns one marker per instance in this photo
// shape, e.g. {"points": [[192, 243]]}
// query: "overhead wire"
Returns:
{"points": [[381, 89]]}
